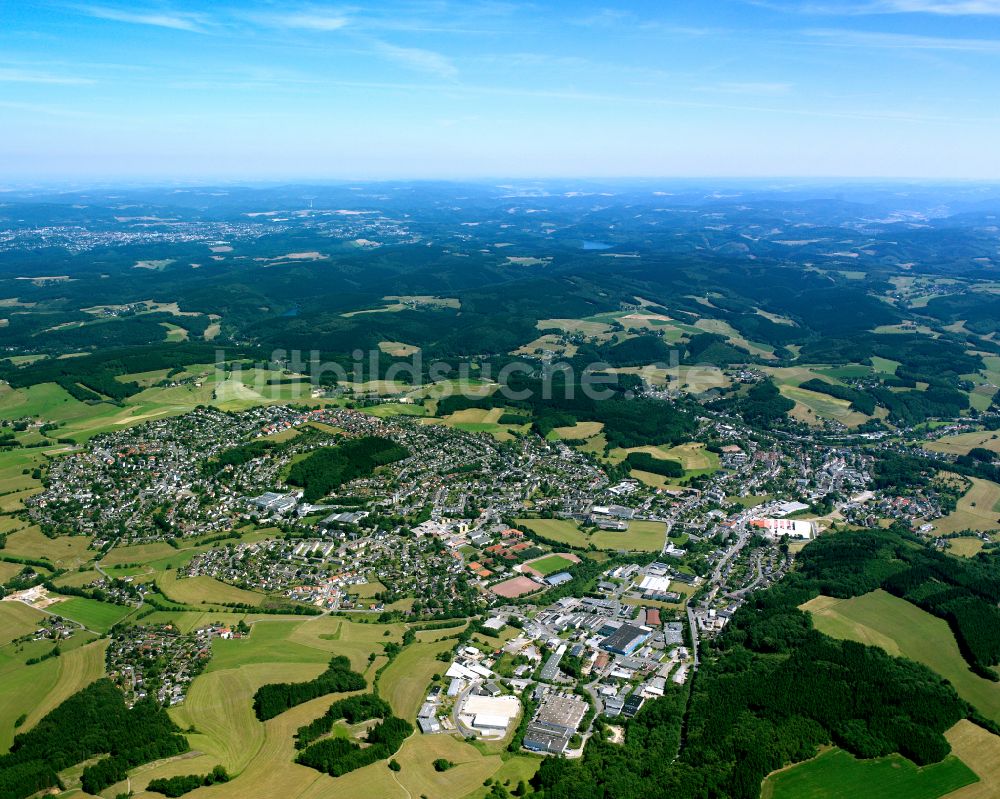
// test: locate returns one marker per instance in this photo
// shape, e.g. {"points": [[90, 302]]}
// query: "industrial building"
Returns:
{"points": [[626, 639], [793, 528], [555, 722]]}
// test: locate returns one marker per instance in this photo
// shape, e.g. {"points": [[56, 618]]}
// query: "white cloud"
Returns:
{"points": [[180, 21], [944, 7], [319, 21], [748, 87], [951, 8], [8, 75], [902, 41], [414, 58]]}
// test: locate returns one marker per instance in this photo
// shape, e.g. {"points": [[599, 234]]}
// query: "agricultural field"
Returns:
{"points": [[17, 619], [481, 420], [978, 509], [406, 680], [584, 327], [961, 443], [904, 630], [965, 547], [734, 338], [398, 349], [812, 407], [980, 751], [97, 616], [580, 430], [66, 552], [692, 456], [204, 590], [836, 774]]}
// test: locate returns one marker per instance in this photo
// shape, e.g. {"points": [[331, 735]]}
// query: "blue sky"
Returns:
{"points": [[158, 89]]}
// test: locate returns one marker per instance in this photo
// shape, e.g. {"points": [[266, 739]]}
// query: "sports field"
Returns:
{"points": [[903, 629], [550, 564], [835, 774]]}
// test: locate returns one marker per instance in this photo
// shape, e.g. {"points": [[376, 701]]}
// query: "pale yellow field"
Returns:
{"points": [[978, 509], [580, 430], [574, 326], [548, 341], [405, 683], [904, 630], [17, 619], [398, 349], [734, 338], [963, 442], [66, 552], [965, 547], [980, 751], [204, 590]]}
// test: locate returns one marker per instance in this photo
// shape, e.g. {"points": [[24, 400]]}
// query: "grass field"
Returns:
{"points": [[965, 547], [980, 750], [640, 537], [66, 552], [406, 680], [812, 407], [204, 590], [692, 456], [903, 629], [587, 328], [94, 615], [580, 430], [77, 669], [550, 564], [978, 509], [17, 619], [835, 774], [23, 688]]}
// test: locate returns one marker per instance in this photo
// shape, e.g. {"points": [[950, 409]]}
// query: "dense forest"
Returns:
{"points": [[182, 784], [353, 710], [338, 756], [556, 401], [771, 690], [328, 468], [275, 698], [645, 462], [93, 723]]}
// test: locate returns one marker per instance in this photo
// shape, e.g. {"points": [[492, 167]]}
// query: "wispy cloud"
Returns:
{"points": [[950, 8], [748, 88], [944, 7], [417, 59], [174, 20], [8, 75], [304, 20], [901, 41]]}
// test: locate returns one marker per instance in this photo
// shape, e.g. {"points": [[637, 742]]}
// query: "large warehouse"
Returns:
{"points": [[793, 528], [489, 715]]}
